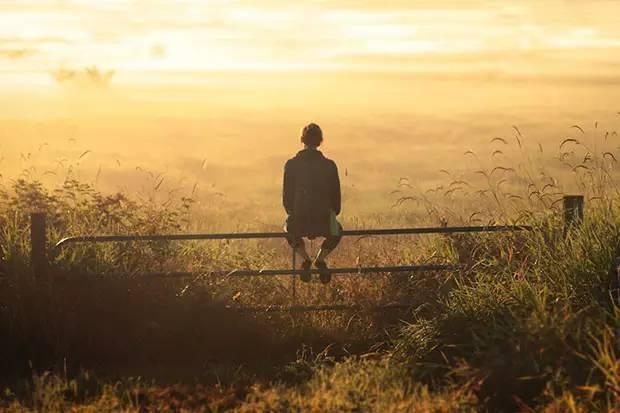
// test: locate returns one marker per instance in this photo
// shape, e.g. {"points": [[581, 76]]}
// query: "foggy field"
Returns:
{"points": [[530, 321], [226, 146], [150, 117]]}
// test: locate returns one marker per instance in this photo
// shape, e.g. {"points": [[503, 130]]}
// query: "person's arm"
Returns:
{"points": [[288, 188], [336, 196]]}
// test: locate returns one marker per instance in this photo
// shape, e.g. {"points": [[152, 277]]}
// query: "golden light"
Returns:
{"points": [[38, 37]]}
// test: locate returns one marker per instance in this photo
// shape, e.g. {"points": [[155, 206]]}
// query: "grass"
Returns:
{"points": [[529, 326]]}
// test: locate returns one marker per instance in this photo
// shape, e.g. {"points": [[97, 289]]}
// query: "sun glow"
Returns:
{"points": [[163, 85], [166, 37]]}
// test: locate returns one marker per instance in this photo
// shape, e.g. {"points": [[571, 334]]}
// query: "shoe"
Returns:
{"points": [[324, 275], [305, 275]]}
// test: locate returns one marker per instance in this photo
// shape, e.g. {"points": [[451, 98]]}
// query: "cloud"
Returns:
{"points": [[197, 35], [158, 51], [15, 54], [90, 76]]}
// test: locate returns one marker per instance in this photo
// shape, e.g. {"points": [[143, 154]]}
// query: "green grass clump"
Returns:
{"points": [[524, 328]]}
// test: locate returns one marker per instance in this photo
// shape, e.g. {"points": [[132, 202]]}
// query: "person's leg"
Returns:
{"points": [[299, 248], [294, 238], [328, 246], [323, 253]]}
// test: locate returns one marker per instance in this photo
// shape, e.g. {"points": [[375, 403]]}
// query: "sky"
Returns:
{"points": [[43, 42], [114, 88]]}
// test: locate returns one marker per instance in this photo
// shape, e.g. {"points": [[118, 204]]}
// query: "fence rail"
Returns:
{"points": [[266, 235], [270, 272], [315, 308]]}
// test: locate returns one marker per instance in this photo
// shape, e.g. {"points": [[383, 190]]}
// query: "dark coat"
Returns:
{"points": [[311, 191]]}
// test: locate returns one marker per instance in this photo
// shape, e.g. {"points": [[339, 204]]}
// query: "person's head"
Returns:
{"points": [[312, 135]]}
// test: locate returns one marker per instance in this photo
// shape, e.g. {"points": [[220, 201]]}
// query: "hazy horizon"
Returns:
{"points": [[213, 94]]}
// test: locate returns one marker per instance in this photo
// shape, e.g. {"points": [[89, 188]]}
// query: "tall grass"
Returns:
{"points": [[530, 324]]}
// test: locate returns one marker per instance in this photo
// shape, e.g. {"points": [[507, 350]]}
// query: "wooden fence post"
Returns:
{"points": [[3, 270], [38, 240], [614, 287], [573, 211]]}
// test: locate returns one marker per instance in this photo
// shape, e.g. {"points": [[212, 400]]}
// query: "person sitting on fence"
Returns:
{"points": [[311, 198]]}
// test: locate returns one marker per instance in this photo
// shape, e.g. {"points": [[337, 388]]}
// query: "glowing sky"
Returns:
{"points": [[156, 40]]}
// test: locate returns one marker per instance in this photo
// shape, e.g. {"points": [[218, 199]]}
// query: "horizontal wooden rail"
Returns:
{"points": [[351, 270], [263, 235]]}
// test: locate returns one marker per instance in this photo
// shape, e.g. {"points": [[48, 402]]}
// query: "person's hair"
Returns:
{"points": [[312, 135]]}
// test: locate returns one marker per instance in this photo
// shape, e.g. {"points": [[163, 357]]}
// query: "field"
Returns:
{"points": [[152, 117], [530, 325]]}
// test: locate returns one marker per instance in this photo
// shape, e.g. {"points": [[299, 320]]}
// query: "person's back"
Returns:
{"points": [[311, 198], [311, 193]]}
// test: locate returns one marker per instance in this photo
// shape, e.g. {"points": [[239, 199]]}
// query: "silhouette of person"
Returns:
{"points": [[311, 198]]}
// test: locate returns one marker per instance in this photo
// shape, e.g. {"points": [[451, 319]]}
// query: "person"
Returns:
{"points": [[312, 200]]}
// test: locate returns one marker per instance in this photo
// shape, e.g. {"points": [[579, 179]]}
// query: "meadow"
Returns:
{"points": [[530, 324]]}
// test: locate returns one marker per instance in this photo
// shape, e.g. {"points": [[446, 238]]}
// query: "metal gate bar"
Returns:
{"points": [[263, 235], [313, 308], [351, 270]]}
